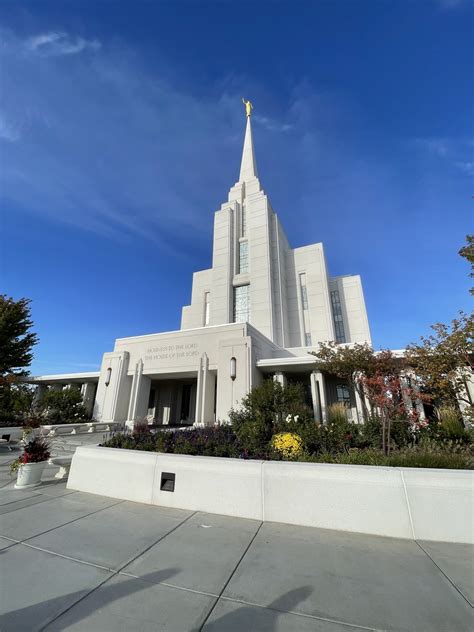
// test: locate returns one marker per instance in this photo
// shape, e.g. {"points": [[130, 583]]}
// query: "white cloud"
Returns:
{"points": [[60, 43], [271, 124], [467, 167], [110, 146], [8, 131], [435, 146]]}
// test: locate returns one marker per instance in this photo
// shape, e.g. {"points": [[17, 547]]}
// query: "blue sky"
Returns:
{"points": [[121, 130]]}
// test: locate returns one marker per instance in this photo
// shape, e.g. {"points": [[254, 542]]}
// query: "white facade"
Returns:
{"points": [[262, 305]]}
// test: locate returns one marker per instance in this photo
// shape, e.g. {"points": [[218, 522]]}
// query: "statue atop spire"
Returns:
{"points": [[248, 166], [248, 107]]}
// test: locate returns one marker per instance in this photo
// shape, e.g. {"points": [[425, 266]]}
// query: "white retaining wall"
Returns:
{"points": [[425, 504], [15, 432]]}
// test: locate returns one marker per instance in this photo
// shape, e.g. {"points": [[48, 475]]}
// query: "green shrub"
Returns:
{"points": [[267, 409], [450, 422], [63, 407], [429, 456], [337, 414]]}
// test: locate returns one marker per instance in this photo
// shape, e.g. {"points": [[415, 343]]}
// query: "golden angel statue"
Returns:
{"points": [[248, 106]]}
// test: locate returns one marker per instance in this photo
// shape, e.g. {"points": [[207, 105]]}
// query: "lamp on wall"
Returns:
{"points": [[233, 369], [107, 376]]}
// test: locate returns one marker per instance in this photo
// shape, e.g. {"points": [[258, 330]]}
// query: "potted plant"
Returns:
{"points": [[31, 463]]}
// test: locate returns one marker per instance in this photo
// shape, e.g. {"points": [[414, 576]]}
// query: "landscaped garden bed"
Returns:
{"points": [[274, 424]]}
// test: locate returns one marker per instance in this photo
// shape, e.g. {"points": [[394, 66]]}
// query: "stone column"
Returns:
{"points": [[139, 395], [88, 396], [318, 394], [280, 377], [359, 407], [466, 394], [38, 396], [208, 391]]}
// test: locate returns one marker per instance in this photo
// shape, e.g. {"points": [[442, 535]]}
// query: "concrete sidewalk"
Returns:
{"points": [[75, 561]]}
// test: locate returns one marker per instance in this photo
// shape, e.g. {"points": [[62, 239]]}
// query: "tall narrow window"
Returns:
{"points": [[242, 304], [307, 340], [243, 221], [207, 307], [337, 315], [243, 257], [304, 292]]}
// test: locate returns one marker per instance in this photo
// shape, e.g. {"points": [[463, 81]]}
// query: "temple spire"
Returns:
{"points": [[248, 166]]}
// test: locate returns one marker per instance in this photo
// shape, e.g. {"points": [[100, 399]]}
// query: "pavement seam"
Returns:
{"points": [[130, 561], [69, 522], [75, 559], [302, 614], [230, 576], [168, 584], [408, 505], [67, 557], [445, 575], [37, 500], [113, 574]]}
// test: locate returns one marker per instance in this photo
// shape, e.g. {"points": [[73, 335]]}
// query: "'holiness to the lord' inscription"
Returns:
{"points": [[172, 352]]}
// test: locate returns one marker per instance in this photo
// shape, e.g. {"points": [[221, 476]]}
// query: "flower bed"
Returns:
{"points": [[222, 441]]}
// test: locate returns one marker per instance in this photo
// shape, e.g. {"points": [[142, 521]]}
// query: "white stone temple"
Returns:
{"points": [[255, 313]]}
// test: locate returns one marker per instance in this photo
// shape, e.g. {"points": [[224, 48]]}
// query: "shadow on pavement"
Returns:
{"points": [[36, 616], [244, 618]]}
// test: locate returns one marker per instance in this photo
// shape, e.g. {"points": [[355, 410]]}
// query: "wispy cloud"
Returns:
{"points": [[57, 43], [451, 150], [467, 167], [447, 5], [108, 145], [271, 124], [8, 131]]}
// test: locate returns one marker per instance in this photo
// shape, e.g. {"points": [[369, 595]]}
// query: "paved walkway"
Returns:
{"points": [[75, 561]]}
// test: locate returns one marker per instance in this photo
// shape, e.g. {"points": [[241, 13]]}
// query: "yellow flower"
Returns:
{"points": [[288, 444]]}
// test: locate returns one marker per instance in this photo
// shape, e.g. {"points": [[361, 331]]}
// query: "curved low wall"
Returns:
{"points": [[424, 504], [15, 432]]}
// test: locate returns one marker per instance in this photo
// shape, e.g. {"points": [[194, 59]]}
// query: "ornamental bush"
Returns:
{"points": [[63, 407], [264, 412], [287, 445]]}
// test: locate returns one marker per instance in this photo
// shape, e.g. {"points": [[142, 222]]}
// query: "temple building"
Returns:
{"points": [[256, 313]]}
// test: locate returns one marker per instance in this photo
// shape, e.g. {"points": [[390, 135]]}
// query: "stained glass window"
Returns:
{"points": [[243, 257], [242, 304], [338, 319]]}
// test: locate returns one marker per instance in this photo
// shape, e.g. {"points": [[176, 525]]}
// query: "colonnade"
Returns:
{"points": [[87, 390]]}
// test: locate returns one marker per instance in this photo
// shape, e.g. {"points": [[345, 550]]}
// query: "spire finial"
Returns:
{"points": [[248, 166], [248, 107]]}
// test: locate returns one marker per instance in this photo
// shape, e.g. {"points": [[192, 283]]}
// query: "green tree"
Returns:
{"points": [[347, 363], [443, 361], [467, 252], [16, 346], [63, 406]]}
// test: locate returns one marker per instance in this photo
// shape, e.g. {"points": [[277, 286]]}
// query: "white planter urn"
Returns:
{"points": [[29, 475]]}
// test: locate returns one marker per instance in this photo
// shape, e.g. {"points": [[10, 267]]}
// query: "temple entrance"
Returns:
{"points": [[172, 402]]}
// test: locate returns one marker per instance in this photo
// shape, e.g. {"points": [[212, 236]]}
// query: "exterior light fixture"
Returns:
{"points": [[107, 377], [233, 369]]}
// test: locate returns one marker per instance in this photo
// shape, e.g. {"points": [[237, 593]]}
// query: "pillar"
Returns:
{"points": [[466, 395], [139, 396], [205, 391], [359, 407], [38, 396], [88, 396], [318, 394], [280, 377], [208, 391]]}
